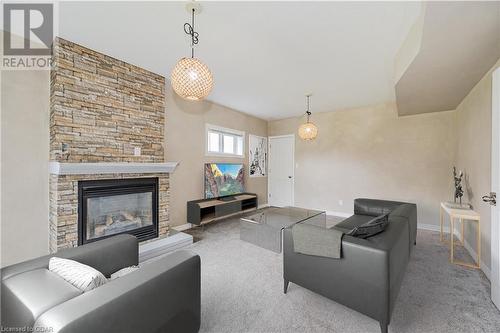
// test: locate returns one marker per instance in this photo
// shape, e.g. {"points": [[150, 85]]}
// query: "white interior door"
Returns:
{"points": [[281, 167], [495, 187]]}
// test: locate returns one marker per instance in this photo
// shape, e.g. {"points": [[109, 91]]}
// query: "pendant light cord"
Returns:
{"points": [[189, 29], [308, 113]]}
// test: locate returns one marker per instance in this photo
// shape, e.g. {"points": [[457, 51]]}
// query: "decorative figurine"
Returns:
{"points": [[459, 192]]}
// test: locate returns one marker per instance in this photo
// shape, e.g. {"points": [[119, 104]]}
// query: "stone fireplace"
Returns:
{"points": [[107, 164]]}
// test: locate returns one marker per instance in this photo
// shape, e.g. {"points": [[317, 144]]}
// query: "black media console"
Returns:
{"points": [[208, 210]]}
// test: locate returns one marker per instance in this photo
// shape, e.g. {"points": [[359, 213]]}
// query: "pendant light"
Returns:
{"points": [[191, 79], [308, 131]]}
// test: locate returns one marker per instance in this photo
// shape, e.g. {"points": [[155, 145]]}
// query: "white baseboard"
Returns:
{"points": [[339, 214], [183, 227], [330, 212], [431, 227], [472, 251]]}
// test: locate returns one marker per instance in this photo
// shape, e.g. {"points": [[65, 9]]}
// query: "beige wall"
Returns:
{"points": [[474, 157], [24, 162], [185, 143], [371, 152]]}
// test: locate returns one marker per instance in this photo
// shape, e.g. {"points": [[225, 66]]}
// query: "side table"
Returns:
{"points": [[461, 215]]}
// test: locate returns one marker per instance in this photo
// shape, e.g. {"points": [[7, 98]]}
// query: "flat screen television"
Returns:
{"points": [[223, 179]]}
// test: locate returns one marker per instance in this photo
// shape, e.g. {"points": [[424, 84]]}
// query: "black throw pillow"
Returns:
{"points": [[370, 228]]}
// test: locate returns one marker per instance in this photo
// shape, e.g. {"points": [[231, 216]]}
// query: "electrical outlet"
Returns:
{"points": [[137, 151], [341, 202]]}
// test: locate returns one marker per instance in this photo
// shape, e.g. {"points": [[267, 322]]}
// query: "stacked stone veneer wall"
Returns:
{"points": [[101, 108]]}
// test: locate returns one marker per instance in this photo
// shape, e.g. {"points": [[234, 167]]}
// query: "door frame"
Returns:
{"points": [[269, 138], [495, 186]]}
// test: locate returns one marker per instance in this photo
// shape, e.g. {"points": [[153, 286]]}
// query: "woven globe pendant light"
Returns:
{"points": [[308, 131], [191, 79]]}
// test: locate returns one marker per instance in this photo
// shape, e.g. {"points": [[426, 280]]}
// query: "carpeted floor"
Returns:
{"points": [[242, 292]]}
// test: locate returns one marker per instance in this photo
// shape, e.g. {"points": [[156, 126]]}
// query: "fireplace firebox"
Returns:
{"points": [[117, 206]]}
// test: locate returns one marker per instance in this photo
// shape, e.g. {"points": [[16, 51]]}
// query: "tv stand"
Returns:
{"points": [[207, 210], [227, 198]]}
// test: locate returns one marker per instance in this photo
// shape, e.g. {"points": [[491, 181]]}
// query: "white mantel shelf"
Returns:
{"points": [[58, 168]]}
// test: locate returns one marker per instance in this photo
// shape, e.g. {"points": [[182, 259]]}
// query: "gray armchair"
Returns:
{"points": [[162, 296], [368, 276]]}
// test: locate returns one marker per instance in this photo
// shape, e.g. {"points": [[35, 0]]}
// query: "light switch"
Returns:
{"points": [[137, 151]]}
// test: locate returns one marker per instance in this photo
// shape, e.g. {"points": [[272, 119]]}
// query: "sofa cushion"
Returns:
{"points": [[385, 240], [352, 222], [31, 293], [371, 228], [80, 275], [122, 272]]}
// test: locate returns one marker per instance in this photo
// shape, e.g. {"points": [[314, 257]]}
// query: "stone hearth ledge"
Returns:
{"points": [[58, 168]]}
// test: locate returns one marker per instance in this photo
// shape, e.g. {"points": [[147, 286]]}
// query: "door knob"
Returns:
{"points": [[290, 177], [491, 198]]}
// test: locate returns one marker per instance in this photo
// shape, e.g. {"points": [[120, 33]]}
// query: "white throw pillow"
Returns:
{"points": [[123, 272], [81, 276]]}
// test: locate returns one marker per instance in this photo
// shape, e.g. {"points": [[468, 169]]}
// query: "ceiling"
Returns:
{"points": [[265, 56]]}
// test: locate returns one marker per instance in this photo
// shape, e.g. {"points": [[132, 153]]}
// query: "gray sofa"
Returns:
{"points": [[368, 276], [162, 296]]}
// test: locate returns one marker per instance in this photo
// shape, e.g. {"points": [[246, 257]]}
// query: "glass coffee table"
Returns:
{"points": [[265, 227]]}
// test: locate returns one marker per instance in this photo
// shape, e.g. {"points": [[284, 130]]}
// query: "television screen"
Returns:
{"points": [[223, 179]]}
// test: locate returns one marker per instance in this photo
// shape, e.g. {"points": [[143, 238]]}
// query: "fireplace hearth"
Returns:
{"points": [[116, 206]]}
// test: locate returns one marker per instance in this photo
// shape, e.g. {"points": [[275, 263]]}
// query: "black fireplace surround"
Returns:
{"points": [[111, 207]]}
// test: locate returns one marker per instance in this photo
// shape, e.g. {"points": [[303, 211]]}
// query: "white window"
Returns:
{"points": [[224, 141]]}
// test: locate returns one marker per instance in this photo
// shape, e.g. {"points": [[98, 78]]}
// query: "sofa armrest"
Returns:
{"points": [[374, 207], [409, 212], [107, 256], [161, 296]]}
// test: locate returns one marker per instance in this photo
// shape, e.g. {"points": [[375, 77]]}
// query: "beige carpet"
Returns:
{"points": [[242, 292]]}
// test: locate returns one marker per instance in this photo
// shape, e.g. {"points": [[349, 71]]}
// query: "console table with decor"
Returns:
{"points": [[461, 215]]}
